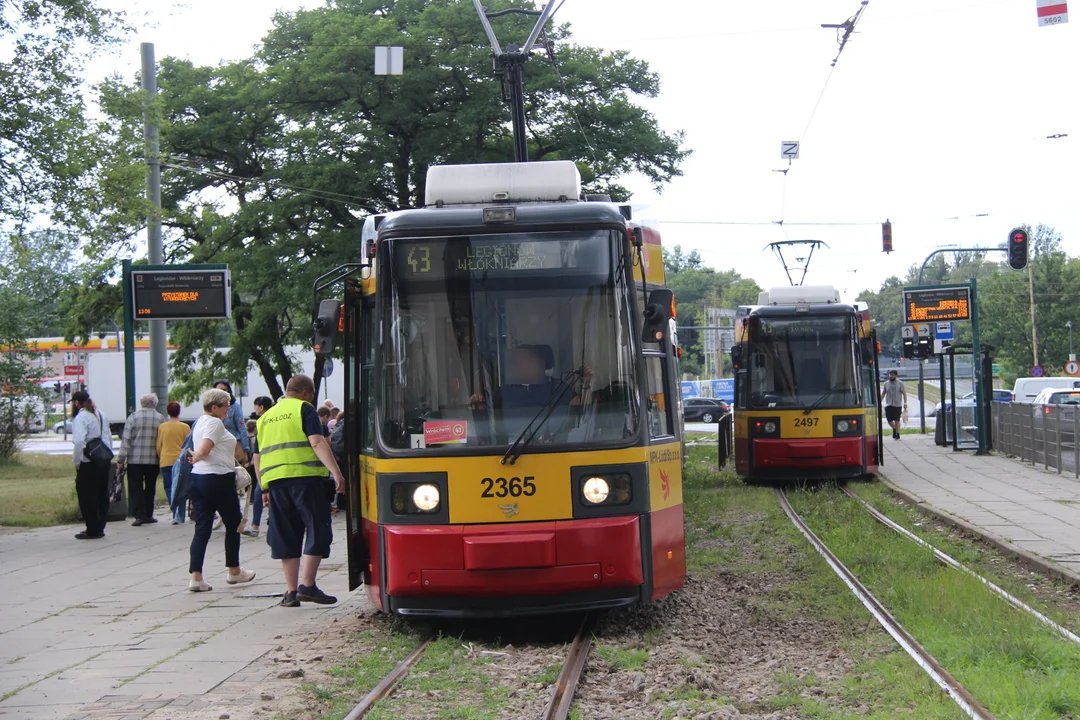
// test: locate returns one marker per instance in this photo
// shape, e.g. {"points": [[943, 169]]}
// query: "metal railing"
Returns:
{"points": [[1039, 434]]}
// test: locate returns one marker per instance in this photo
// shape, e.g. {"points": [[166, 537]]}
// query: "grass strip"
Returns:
{"points": [[732, 527], [37, 491], [1011, 662]]}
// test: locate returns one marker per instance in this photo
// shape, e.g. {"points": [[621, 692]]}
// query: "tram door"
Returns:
{"points": [[359, 417]]}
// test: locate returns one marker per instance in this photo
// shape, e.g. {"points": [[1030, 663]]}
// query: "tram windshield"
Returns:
{"points": [[804, 361], [479, 333]]}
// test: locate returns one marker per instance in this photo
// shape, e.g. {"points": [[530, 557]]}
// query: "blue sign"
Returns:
{"points": [[1037, 371], [724, 390], [689, 388], [328, 367], [943, 330]]}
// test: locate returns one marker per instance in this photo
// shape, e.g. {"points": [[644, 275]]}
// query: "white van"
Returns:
{"points": [[1027, 389]]}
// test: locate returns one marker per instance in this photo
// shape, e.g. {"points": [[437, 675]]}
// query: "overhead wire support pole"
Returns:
{"points": [[159, 380]]}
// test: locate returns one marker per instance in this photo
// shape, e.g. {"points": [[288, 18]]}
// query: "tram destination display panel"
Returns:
{"points": [[181, 293], [939, 304]]}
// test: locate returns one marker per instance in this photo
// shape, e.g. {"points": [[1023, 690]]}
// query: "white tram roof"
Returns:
{"points": [[479, 184], [799, 295]]}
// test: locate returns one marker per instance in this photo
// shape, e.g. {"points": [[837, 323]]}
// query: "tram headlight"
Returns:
{"points": [[614, 488], [595, 490], [764, 427], [426, 497], [847, 425]]}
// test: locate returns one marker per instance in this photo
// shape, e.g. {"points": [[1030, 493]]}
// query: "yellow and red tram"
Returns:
{"points": [[806, 387], [512, 439]]}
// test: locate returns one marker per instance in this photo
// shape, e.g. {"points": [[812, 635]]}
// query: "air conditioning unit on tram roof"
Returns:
{"points": [[800, 295], [484, 184]]}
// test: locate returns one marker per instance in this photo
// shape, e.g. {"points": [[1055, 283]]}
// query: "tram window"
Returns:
{"points": [[659, 413], [468, 360]]}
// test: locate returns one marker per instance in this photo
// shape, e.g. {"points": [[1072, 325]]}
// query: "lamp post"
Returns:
{"points": [[1072, 356]]}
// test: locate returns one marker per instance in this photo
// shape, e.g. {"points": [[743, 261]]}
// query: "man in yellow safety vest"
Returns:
{"points": [[292, 465]]}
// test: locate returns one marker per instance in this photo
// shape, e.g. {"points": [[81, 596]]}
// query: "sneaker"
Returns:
{"points": [[137, 523], [315, 595], [174, 522], [289, 599], [200, 586], [241, 577], [88, 536], [896, 435], [150, 520], [251, 533]]}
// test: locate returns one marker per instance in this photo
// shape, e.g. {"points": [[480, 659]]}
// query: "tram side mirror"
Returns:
{"points": [[658, 312], [736, 356], [328, 323]]}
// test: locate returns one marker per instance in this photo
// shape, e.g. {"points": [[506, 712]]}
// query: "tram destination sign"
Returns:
{"points": [[181, 292], [937, 304], [501, 255]]}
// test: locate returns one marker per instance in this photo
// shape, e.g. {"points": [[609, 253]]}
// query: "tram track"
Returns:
{"points": [[957, 565], [386, 685], [566, 685], [950, 685]]}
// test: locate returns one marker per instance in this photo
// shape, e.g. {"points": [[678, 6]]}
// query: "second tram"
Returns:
{"points": [[806, 387], [511, 392]]}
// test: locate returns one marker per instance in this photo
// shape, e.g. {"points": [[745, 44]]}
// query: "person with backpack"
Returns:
{"points": [[90, 429], [170, 438]]}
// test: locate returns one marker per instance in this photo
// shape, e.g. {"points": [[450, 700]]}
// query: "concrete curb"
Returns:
{"points": [[1028, 559]]}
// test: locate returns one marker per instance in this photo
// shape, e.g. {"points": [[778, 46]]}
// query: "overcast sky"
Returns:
{"points": [[935, 117]]}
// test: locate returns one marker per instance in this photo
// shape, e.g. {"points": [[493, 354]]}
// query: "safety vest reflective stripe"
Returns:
{"points": [[284, 448]]}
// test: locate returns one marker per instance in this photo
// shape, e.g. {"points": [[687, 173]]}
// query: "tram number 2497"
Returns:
{"points": [[514, 487], [806, 422]]}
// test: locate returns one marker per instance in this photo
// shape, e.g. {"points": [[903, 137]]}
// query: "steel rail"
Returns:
{"points": [[964, 699], [386, 686], [559, 706], [957, 565]]}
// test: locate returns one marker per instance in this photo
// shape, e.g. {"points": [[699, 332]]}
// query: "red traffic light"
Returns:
{"points": [[1018, 249]]}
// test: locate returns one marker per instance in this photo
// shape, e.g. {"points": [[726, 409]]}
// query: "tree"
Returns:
{"points": [[46, 148], [21, 395], [273, 162]]}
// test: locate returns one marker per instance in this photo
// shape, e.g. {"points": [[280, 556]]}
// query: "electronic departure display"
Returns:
{"points": [[937, 304], [185, 292], [501, 255]]}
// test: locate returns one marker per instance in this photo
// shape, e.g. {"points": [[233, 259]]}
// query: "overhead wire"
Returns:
{"points": [[549, 46]]}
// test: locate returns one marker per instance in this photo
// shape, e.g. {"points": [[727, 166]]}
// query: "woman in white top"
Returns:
{"points": [[212, 488], [91, 479]]}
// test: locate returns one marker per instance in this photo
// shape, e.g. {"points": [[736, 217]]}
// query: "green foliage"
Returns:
{"points": [[271, 163], [46, 145]]}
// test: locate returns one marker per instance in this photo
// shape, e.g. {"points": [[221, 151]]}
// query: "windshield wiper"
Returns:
{"points": [[526, 436], [821, 399]]}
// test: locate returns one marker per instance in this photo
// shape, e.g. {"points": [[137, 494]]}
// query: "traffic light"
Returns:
{"points": [[909, 347], [56, 388], [925, 349], [67, 388], [886, 236], [1018, 248]]}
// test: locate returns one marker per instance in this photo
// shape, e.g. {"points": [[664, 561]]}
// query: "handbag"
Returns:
{"points": [[181, 475], [97, 450], [242, 479], [116, 492]]}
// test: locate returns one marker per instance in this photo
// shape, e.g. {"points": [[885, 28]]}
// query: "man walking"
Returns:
{"points": [[895, 397], [138, 450], [292, 464]]}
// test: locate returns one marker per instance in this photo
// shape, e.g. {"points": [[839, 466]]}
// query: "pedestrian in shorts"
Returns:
{"points": [[895, 398]]}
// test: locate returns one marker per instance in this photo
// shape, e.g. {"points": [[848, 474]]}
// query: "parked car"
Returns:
{"points": [[1000, 395], [1056, 396], [62, 426], [704, 409]]}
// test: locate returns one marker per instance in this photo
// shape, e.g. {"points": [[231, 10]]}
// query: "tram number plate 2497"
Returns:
{"points": [[806, 422], [501, 487]]}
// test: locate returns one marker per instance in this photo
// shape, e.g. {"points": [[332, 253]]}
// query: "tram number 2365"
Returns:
{"points": [[514, 487]]}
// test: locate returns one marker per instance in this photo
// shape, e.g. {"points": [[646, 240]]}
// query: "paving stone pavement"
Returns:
{"points": [[107, 629], [1020, 507]]}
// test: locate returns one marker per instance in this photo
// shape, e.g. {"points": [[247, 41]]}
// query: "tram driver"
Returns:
{"points": [[528, 383]]}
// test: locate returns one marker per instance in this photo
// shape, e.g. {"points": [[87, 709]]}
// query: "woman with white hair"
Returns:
{"points": [[138, 450], [212, 488]]}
